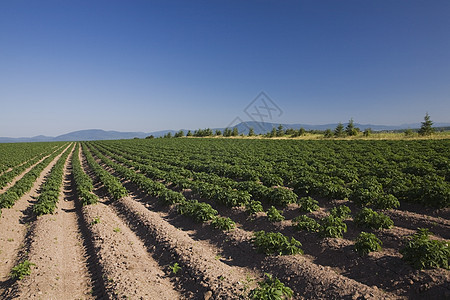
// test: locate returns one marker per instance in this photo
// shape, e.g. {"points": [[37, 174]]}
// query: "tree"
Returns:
{"points": [[235, 132], [179, 134], [367, 132], [273, 133], [290, 131], [409, 132], [150, 136], [328, 133], [339, 130], [251, 132], [203, 132], [218, 132], [426, 128], [227, 132], [168, 135], [280, 131], [301, 131], [350, 129]]}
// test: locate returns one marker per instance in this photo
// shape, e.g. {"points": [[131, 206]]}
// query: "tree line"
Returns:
{"points": [[340, 131]]}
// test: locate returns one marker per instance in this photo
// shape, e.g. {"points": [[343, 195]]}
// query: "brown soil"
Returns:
{"points": [[56, 249], [128, 270], [236, 249], [125, 249], [14, 227], [203, 273], [380, 272]]}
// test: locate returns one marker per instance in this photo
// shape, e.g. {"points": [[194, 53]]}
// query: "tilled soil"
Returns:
{"points": [[379, 275], [56, 249], [128, 270], [126, 249], [15, 225]]}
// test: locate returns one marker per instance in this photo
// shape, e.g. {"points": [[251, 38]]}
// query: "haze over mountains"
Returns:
{"points": [[259, 128]]}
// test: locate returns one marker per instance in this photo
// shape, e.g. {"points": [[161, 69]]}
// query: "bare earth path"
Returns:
{"points": [[128, 269], [13, 229], [60, 270]]}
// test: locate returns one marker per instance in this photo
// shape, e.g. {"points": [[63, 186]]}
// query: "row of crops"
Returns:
{"points": [[164, 169], [16, 158], [310, 190], [379, 174], [25, 183], [13, 155]]}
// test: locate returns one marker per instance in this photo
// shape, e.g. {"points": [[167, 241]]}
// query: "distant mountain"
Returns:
{"points": [[81, 135], [98, 134], [258, 127]]}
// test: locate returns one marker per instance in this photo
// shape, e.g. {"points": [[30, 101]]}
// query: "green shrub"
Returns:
{"points": [[170, 197], [223, 223], [175, 268], [367, 242], [332, 227], [271, 288], [424, 253], [253, 207], [308, 204], [274, 215], [341, 211], [369, 192], [275, 243], [306, 223], [386, 201], [282, 196], [199, 211], [370, 219], [21, 270]]}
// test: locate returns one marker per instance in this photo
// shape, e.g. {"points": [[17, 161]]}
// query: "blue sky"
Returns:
{"points": [[153, 65]]}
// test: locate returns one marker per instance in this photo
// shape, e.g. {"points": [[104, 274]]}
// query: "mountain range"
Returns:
{"points": [[243, 127]]}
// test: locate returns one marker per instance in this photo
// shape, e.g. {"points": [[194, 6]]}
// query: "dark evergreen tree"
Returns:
{"points": [[273, 133], [280, 131], [251, 132], [227, 132], [426, 128], [179, 134], [301, 131], [350, 130], [328, 133], [339, 130]]}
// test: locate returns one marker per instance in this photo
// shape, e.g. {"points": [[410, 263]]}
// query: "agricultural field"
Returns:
{"points": [[219, 218]]}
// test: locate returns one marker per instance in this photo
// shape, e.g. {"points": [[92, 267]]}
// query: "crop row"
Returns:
{"points": [[388, 172], [23, 185], [332, 225], [51, 188], [111, 183], [199, 211], [15, 171], [83, 182], [15, 154], [210, 186], [266, 242]]}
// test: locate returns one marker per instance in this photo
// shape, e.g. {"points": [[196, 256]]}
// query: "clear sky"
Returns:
{"points": [[154, 65]]}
